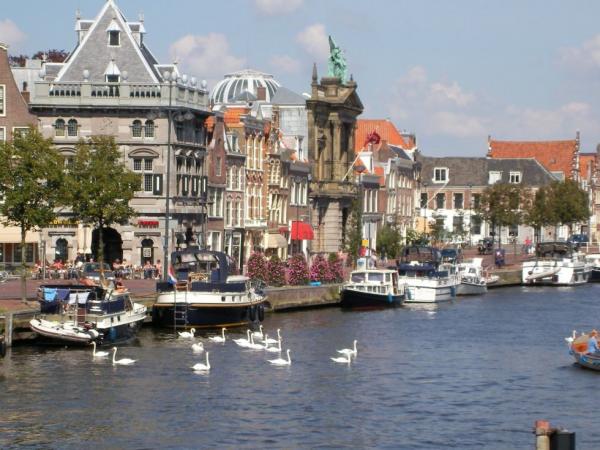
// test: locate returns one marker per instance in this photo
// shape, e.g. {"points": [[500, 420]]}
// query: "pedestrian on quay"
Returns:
{"points": [[158, 266]]}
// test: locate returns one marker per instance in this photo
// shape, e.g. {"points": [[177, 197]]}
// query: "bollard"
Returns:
{"points": [[8, 329], [542, 432]]}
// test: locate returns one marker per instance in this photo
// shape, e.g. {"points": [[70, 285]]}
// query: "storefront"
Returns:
{"points": [[10, 247]]}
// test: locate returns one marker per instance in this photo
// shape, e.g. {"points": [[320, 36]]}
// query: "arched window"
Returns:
{"points": [[136, 129], [59, 127], [149, 128], [234, 178], [62, 250], [72, 128]]}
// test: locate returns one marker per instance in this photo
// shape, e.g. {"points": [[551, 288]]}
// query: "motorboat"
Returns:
{"points": [[556, 263], [593, 259], [426, 279], [372, 287], [202, 293], [80, 314], [473, 280], [578, 349]]}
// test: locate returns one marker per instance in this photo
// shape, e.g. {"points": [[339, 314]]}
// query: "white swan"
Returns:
{"points": [[96, 354], [571, 338], [254, 346], [273, 349], [122, 362], [281, 361], [199, 367], [349, 351], [187, 334], [259, 334], [341, 359], [243, 342], [269, 340], [198, 347], [218, 338]]}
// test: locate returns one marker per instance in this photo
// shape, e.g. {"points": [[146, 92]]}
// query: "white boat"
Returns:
{"points": [[593, 259], [472, 278], [372, 288], [556, 263], [84, 313], [205, 295]]}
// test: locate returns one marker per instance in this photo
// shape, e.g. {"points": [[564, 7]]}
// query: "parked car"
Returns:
{"points": [[92, 272], [578, 239]]}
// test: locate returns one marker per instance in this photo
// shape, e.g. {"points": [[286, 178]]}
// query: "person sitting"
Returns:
{"points": [[592, 348]]}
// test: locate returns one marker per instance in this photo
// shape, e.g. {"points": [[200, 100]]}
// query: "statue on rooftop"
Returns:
{"points": [[337, 62]]}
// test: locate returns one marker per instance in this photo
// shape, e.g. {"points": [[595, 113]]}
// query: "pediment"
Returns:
{"points": [[143, 152]]}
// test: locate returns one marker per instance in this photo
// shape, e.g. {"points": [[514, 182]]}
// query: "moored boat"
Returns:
{"points": [[372, 288], [593, 259], [204, 294], [556, 263], [472, 278]]}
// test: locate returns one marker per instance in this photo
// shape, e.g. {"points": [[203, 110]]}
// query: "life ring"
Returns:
{"points": [[252, 313], [261, 312]]}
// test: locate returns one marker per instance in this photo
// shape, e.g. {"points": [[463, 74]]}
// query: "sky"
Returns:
{"points": [[452, 72]]}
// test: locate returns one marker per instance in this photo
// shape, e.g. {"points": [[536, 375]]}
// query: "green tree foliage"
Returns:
{"points": [[436, 228], [539, 213], [502, 205], [353, 238], [100, 186], [32, 185], [414, 237], [389, 241]]}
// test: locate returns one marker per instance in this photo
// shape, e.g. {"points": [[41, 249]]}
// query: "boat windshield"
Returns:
{"points": [[358, 277], [376, 277]]}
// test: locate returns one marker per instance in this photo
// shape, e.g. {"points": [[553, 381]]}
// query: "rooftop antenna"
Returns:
{"points": [[77, 14], [141, 16]]}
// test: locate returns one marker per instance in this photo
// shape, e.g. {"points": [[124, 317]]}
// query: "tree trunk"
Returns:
{"points": [[23, 266], [101, 250]]}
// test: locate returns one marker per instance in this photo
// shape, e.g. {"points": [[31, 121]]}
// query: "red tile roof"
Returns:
{"points": [[587, 165], [384, 128], [555, 156]]}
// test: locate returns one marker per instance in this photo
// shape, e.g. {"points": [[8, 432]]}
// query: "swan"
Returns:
{"points": [[273, 341], [198, 347], [342, 359], [254, 346], [281, 361], [218, 338], [273, 349], [349, 351], [122, 362], [243, 342], [187, 334], [571, 338], [96, 354], [199, 367], [259, 334]]}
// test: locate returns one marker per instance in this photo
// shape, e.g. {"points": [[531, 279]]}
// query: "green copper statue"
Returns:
{"points": [[337, 62]]}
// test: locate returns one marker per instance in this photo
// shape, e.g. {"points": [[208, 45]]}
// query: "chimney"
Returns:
{"points": [[261, 93]]}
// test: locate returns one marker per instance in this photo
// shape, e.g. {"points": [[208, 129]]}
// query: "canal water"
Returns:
{"points": [[472, 374]]}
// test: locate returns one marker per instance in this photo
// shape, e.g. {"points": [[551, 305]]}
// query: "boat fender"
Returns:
{"points": [[252, 313], [390, 297], [261, 312]]}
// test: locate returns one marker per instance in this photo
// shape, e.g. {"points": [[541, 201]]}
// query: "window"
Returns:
{"points": [[2, 134], [232, 140], [476, 201], [494, 177], [515, 178], [112, 78], [151, 182], [424, 200], [457, 224], [59, 128], [2, 100], [475, 225], [72, 128], [440, 201], [458, 201], [440, 174], [114, 38], [148, 179], [20, 131], [218, 163], [148, 164], [513, 230], [136, 129], [215, 241], [149, 128], [215, 199]]}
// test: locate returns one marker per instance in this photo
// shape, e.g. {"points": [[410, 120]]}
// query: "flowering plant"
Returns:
{"points": [[298, 270], [275, 271], [336, 269], [319, 269], [257, 267]]}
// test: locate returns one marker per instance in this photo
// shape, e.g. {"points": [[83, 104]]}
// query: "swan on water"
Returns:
{"points": [[254, 346], [243, 342], [571, 338], [96, 354], [269, 340], [198, 347], [349, 351], [218, 338], [187, 334], [199, 367], [281, 361], [122, 362], [259, 334], [341, 359], [273, 349]]}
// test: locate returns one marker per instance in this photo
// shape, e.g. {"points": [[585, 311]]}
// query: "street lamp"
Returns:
{"points": [[470, 216]]}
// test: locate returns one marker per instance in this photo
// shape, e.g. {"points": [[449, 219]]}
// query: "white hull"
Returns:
{"points": [[565, 272], [471, 289], [208, 299], [423, 290], [63, 331]]}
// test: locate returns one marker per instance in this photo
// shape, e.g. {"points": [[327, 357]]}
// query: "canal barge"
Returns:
{"points": [[372, 288], [80, 314], [202, 293], [558, 264]]}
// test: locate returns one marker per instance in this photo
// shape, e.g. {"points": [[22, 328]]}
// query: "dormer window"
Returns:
{"points": [[515, 178], [114, 38], [112, 78], [440, 175]]}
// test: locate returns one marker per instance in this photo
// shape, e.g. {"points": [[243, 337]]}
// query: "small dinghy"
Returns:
{"points": [[63, 331]]}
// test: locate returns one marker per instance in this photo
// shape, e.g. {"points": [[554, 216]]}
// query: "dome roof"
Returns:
{"points": [[229, 89]]}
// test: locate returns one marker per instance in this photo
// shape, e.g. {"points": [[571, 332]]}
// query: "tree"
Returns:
{"points": [[389, 241], [569, 203], [100, 186], [32, 184], [52, 55], [436, 228], [414, 237], [539, 213], [353, 238], [17, 60], [502, 205]]}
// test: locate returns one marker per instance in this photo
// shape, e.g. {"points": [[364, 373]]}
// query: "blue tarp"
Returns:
{"points": [[49, 294]]}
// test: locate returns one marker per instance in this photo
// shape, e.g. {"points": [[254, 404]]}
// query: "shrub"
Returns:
{"points": [[319, 269], [275, 271], [336, 269], [298, 270], [257, 267]]}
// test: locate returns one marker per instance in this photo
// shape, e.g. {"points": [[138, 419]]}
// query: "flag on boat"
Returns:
{"points": [[171, 278]]}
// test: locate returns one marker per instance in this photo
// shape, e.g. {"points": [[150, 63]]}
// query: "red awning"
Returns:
{"points": [[301, 231]]}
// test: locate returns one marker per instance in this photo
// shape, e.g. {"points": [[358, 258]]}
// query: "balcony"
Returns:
{"points": [[117, 95]]}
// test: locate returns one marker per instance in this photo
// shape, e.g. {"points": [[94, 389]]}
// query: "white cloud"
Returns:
{"points": [[458, 124], [285, 63], [10, 33], [206, 57], [314, 41], [449, 93], [585, 56], [275, 7]]}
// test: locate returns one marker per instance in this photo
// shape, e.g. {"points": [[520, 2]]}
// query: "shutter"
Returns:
{"points": [[186, 184], [157, 185], [194, 186], [203, 186]]}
